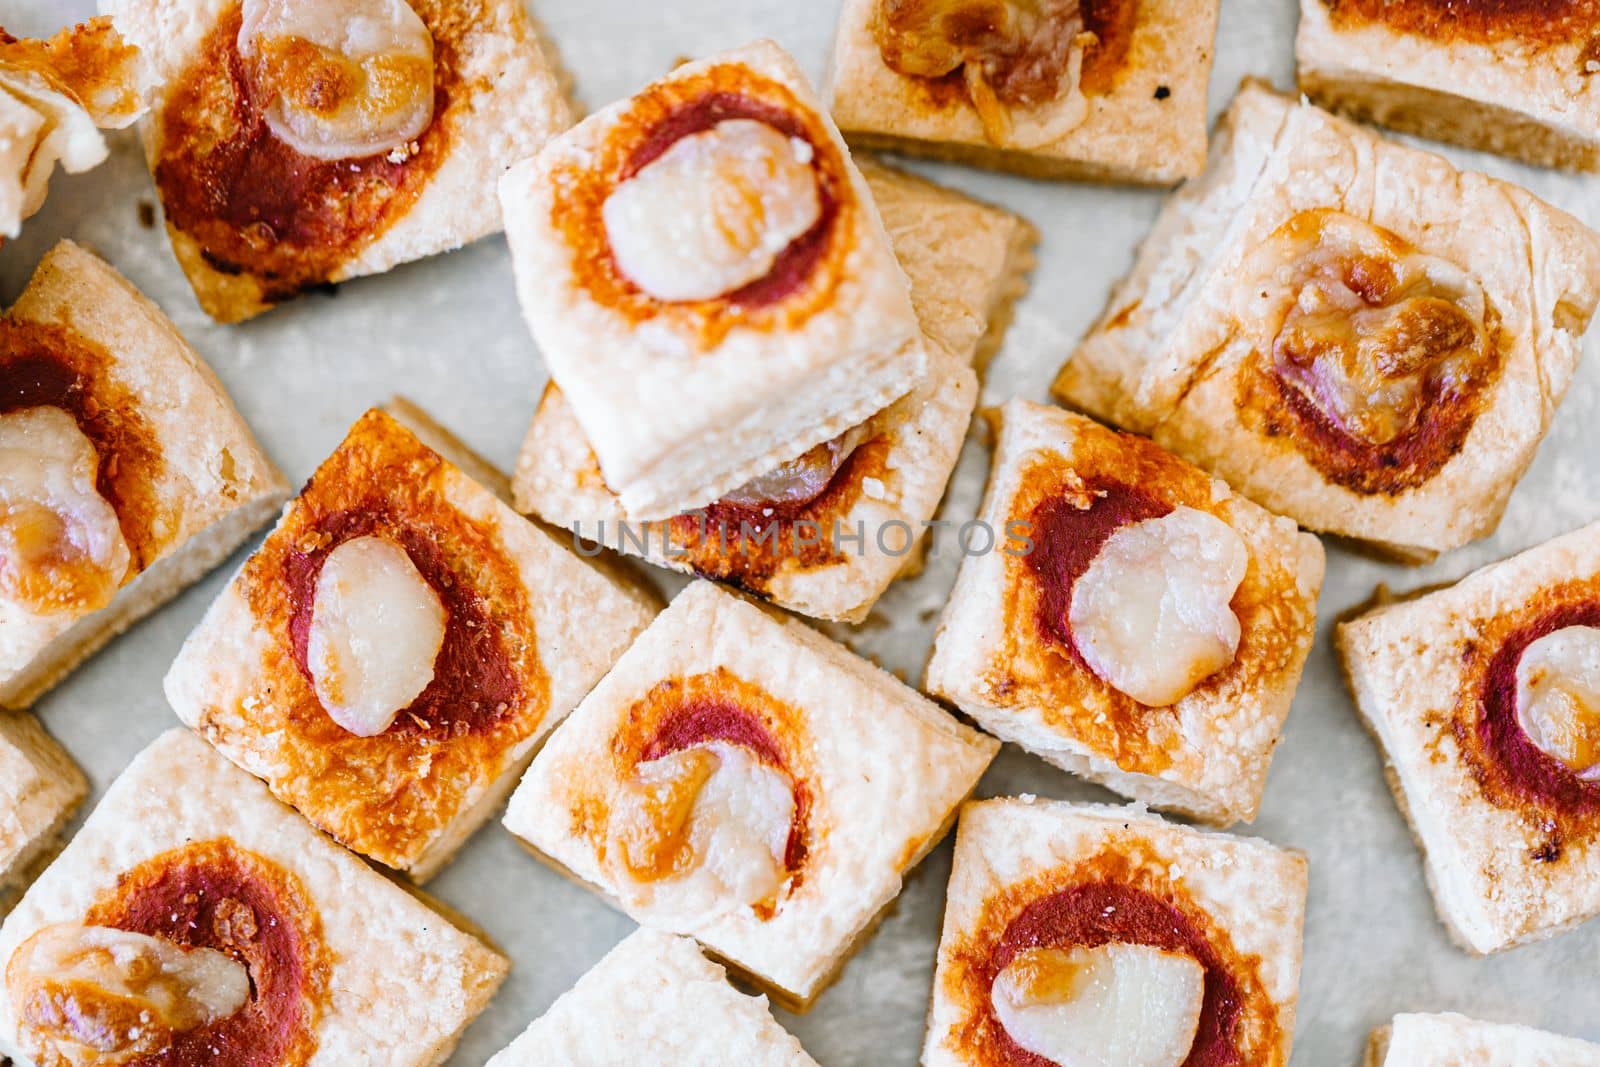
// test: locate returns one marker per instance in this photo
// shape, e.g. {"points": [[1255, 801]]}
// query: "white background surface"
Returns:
{"points": [[447, 332]]}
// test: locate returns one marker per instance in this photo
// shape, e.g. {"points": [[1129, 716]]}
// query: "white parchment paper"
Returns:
{"points": [[447, 332]]}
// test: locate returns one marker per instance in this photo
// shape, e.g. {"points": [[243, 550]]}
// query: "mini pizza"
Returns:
{"points": [[125, 472], [1111, 90], [709, 281], [783, 535], [1485, 699], [1517, 79], [1132, 621], [295, 145], [1349, 331], [40, 787], [1086, 934], [195, 920], [655, 999], [389, 658], [742, 779], [1456, 1041], [56, 95]]}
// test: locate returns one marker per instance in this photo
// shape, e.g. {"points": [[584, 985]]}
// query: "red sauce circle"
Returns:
{"points": [[215, 895], [1102, 913], [703, 720], [1067, 537], [796, 262], [254, 205], [1526, 768], [474, 682], [1362, 466], [49, 365]]}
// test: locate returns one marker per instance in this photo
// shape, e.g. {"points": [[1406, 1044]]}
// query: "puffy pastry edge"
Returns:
{"points": [[1223, 780], [1448, 1039], [796, 954], [1403, 667], [655, 995], [1162, 359], [1511, 97], [43, 788], [193, 417]]}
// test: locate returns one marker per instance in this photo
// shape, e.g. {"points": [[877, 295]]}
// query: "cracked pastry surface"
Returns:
{"points": [[1349, 331]]}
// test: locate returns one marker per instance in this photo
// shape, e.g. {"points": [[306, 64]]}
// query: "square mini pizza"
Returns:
{"points": [[270, 944], [1507, 78], [1132, 620], [709, 281], [655, 999], [1485, 698], [1349, 331], [42, 787], [127, 471], [290, 153], [1111, 90], [786, 535], [389, 658], [740, 778], [1456, 1041], [1094, 934]]}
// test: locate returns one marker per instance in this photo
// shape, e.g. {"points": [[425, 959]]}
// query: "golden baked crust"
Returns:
{"points": [[408, 796], [90, 61], [1000, 654], [1145, 85], [254, 223], [1032, 873], [1175, 356], [59, 92]]}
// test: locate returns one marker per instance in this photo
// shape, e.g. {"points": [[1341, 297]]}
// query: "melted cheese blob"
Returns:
{"points": [[376, 629], [1362, 323], [1558, 697], [94, 994], [714, 212], [1150, 615], [340, 79], [1022, 60], [61, 545], [712, 833], [1117, 1005]]}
